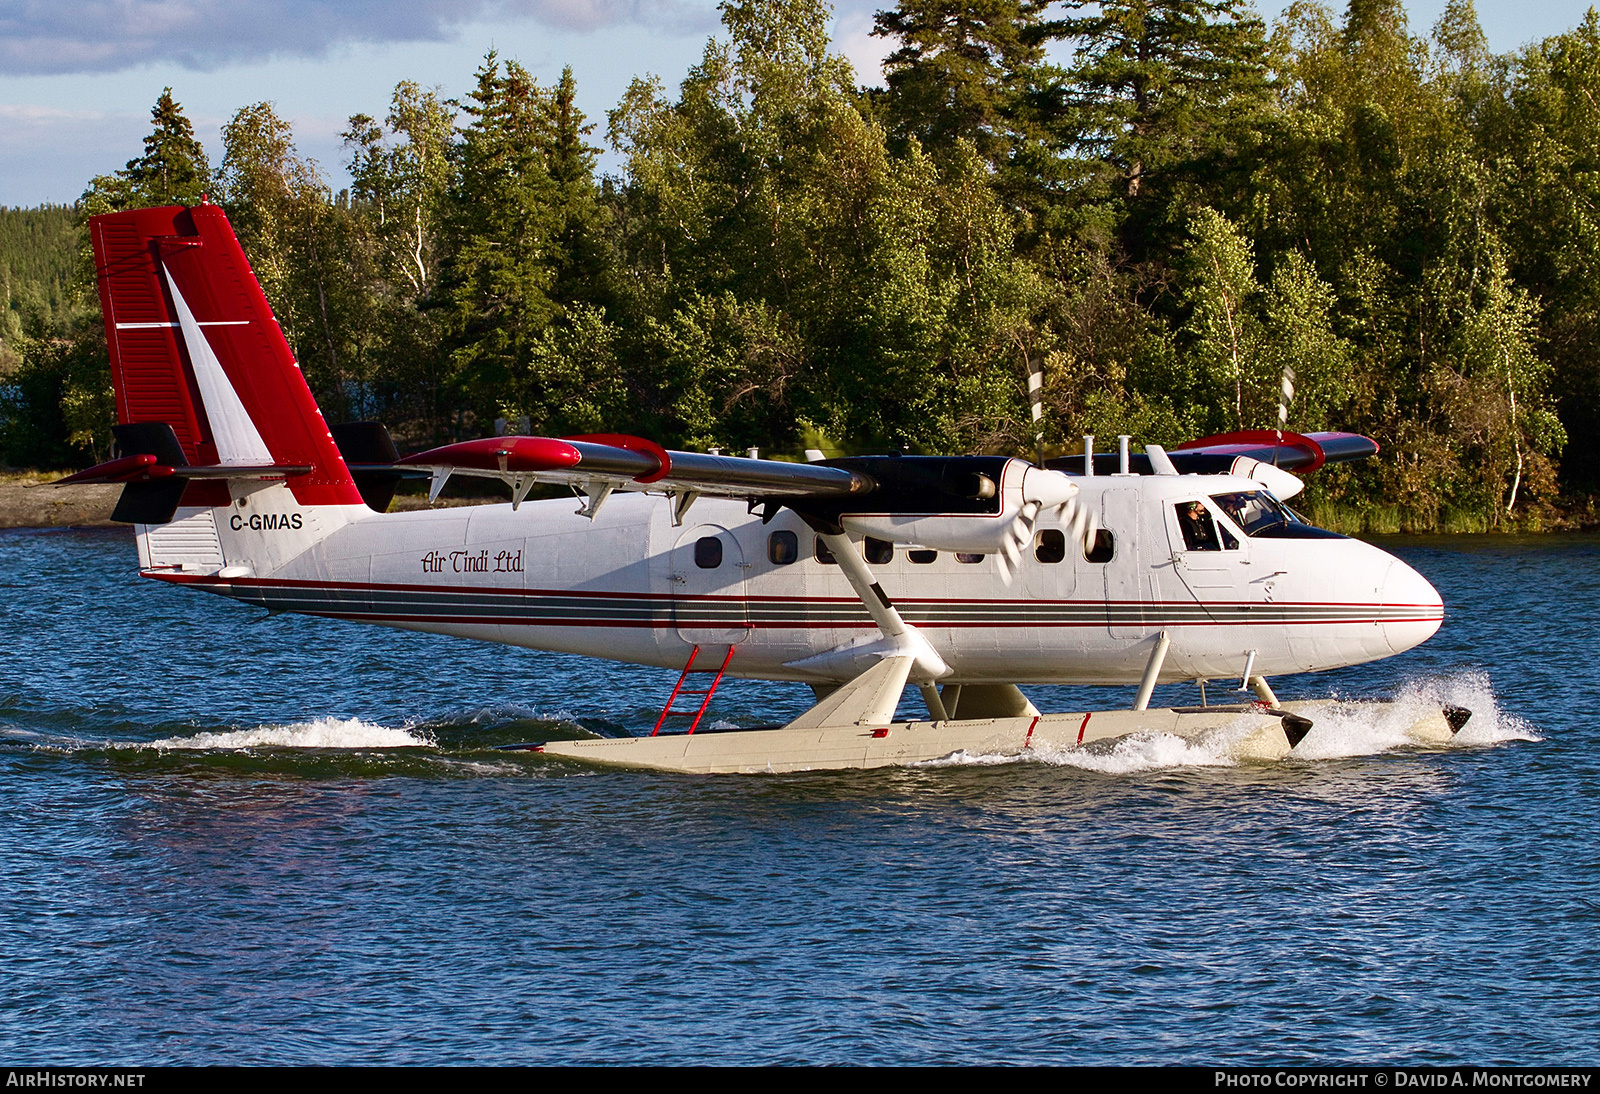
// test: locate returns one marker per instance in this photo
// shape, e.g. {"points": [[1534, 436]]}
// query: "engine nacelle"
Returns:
{"points": [[1024, 490], [1282, 484]]}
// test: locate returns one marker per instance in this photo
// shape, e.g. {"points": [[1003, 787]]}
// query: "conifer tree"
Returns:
{"points": [[526, 239], [584, 253], [504, 216], [1157, 84], [173, 169], [962, 71]]}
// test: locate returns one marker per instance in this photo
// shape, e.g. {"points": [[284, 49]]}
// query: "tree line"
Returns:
{"points": [[1163, 204]]}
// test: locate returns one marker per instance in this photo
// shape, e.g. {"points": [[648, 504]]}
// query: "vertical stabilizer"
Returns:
{"points": [[205, 379], [194, 344]]}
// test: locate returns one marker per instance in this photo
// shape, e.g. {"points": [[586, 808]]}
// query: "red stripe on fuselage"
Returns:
{"points": [[1424, 613]]}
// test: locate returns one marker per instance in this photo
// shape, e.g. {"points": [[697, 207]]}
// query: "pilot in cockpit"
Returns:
{"points": [[1199, 532]]}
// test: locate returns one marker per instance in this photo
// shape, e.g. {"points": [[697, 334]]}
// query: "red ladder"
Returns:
{"points": [[668, 712]]}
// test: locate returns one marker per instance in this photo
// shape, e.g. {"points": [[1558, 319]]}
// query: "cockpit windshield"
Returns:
{"points": [[1257, 513]]}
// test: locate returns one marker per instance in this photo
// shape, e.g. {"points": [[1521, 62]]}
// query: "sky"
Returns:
{"points": [[78, 77]]}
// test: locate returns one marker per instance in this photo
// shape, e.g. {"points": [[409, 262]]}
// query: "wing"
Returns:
{"points": [[1301, 452], [1233, 453], [600, 463]]}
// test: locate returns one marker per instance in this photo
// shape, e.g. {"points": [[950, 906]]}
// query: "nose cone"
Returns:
{"points": [[1411, 608]]}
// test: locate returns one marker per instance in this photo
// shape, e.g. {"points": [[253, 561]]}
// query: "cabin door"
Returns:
{"points": [[708, 587], [1125, 582], [1210, 558]]}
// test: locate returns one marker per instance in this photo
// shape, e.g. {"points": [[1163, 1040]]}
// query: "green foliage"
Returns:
{"points": [[39, 289], [56, 405], [173, 170], [527, 270], [1159, 89], [965, 71], [1168, 216], [1244, 338], [401, 187], [1505, 381], [1226, 337], [1299, 335]]}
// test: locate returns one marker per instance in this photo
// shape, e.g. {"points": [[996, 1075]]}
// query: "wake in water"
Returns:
{"points": [[319, 733], [1125, 755], [1347, 730], [1340, 730], [471, 731]]}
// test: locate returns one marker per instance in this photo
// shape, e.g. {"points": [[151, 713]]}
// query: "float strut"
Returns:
{"points": [[1249, 670], [1263, 690], [1152, 670]]}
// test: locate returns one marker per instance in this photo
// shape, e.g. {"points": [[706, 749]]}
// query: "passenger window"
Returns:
{"points": [[922, 558], [962, 556], [878, 552], [1104, 549], [824, 555], [783, 548], [708, 552], [1050, 545], [1199, 530]]}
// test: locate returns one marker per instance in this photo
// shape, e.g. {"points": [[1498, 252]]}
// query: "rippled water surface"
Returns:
{"points": [[233, 840]]}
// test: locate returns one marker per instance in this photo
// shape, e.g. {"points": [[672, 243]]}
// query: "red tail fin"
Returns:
{"points": [[194, 344]]}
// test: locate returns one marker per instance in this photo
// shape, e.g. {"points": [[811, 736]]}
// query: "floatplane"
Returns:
{"points": [[964, 576]]}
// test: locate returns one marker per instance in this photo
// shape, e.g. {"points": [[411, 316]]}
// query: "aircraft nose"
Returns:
{"points": [[1412, 608]]}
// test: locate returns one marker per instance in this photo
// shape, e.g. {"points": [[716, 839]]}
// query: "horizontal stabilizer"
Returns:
{"points": [[132, 469], [370, 455], [155, 473]]}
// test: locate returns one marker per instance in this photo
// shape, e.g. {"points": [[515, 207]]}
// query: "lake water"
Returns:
{"points": [[292, 841]]}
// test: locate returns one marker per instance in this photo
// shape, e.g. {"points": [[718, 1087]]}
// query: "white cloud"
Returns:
{"points": [[47, 36]]}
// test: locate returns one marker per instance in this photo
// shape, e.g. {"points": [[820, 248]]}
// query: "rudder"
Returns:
{"points": [[207, 385], [194, 343]]}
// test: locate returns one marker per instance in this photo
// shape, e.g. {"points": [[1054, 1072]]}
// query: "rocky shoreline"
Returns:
{"points": [[31, 502], [27, 500]]}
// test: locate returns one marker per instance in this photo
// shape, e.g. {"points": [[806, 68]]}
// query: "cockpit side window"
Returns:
{"points": [[1201, 530]]}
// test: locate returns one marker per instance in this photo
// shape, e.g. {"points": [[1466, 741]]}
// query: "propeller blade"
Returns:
{"points": [[1017, 536]]}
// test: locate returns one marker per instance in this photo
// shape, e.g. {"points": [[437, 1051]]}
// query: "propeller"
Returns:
{"points": [[1044, 491], [1285, 397]]}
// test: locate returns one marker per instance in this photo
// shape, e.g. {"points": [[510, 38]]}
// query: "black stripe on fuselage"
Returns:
{"points": [[408, 603]]}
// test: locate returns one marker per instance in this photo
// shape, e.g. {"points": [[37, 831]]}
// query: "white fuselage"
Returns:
{"points": [[628, 586]]}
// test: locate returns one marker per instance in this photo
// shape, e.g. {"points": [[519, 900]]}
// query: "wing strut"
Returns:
{"points": [[900, 639]]}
